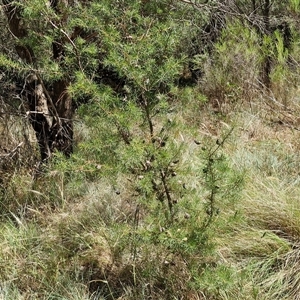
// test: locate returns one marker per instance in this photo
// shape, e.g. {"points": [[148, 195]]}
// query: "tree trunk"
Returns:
{"points": [[62, 132], [50, 114]]}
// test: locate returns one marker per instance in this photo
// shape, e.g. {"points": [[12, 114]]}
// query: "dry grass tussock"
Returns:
{"points": [[265, 240], [56, 249]]}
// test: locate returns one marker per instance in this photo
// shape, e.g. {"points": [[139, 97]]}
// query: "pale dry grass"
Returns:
{"points": [[264, 241]]}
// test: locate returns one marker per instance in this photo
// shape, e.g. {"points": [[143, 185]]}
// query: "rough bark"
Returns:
{"points": [[39, 114], [62, 132], [50, 114]]}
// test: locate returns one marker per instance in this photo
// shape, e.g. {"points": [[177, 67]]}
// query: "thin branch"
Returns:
{"points": [[71, 42], [166, 189], [12, 153]]}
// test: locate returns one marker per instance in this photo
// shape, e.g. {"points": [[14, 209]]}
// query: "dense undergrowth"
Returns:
{"points": [[178, 187], [82, 230]]}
